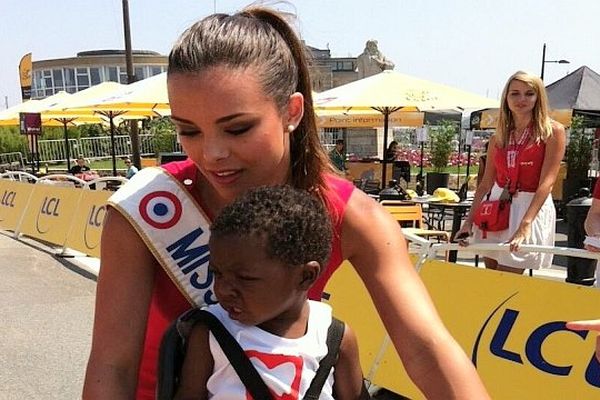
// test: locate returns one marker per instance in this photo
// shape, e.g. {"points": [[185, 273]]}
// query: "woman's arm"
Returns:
{"points": [[197, 366], [372, 241], [122, 299], [555, 151], [592, 221], [348, 384]]}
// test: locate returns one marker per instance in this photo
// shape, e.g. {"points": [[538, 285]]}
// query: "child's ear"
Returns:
{"points": [[310, 273]]}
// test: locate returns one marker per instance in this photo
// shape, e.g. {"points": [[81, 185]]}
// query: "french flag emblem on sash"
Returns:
{"points": [[174, 228]]}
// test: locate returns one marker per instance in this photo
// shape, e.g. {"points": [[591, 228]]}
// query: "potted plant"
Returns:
{"points": [[578, 158], [441, 149]]}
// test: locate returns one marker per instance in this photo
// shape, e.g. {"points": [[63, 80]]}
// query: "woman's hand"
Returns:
{"points": [[465, 231], [523, 233]]}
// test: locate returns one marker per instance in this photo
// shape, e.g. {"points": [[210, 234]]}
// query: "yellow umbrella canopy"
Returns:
{"points": [[146, 97], [10, 116], [72, 106], [390, 91]]}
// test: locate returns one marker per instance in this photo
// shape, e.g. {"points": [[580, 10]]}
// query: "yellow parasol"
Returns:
{"points": [[147, 97], [96, 101], [10, 116], [389, 92]]}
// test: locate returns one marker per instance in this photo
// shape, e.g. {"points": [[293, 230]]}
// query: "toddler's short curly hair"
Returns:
{"points": [[294, 224]]}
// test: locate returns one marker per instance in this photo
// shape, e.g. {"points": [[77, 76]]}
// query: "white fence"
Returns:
{"points": [[93, 148]]}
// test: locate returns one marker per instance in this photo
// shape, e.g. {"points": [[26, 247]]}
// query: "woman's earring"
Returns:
{"points": [[291, 128]]}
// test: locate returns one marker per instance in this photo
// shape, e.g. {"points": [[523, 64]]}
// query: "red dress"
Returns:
{"points": [[530, 163], [168, 303]]}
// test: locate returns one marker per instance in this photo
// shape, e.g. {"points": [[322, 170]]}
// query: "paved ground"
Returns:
{"points": [[46, 314]]}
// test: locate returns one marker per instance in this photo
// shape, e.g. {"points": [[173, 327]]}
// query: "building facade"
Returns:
{"points": [[90, 68]]}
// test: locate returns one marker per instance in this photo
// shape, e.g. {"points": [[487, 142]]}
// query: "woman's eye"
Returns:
{"points": [[187, 132], [238, 130]]}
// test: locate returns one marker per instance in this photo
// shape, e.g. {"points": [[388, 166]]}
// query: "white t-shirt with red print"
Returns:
{"points": [[286, 365]]}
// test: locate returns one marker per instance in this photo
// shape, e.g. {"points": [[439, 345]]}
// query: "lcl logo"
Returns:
{"points": [[94, 221], [50, 207], [8, 198], [532, 348]]}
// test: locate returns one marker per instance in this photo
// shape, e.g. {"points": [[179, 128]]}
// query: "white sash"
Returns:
{"points": [[173, 227]]}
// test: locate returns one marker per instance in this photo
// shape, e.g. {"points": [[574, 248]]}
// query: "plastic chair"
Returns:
{"points": [[412, 213]]}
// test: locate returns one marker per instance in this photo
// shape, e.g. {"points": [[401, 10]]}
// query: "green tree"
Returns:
{"points": [[579, 150], [441, 144], [11, 140], [163, 134]]}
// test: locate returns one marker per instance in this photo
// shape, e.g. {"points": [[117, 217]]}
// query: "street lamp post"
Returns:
{"points": [[544, 61], [133, 128]]}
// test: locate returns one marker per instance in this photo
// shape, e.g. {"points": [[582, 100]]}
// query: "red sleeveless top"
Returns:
{"points": [[529, 161], [168, 303]]}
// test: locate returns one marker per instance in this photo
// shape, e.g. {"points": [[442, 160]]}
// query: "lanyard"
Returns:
{"points": [[512, 154]]}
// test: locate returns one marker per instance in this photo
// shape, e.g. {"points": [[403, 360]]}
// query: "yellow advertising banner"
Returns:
{"points": [[489, 118], [13, 201], [50, 213], [511, 327], [25, 68], [326, 119], [87, 226]]}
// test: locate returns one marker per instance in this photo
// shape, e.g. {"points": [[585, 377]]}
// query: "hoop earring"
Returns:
{"points": [[291, 128]]}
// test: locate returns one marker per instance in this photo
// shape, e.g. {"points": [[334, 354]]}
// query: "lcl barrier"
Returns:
{"points": [[57, 209], [511, 327]]}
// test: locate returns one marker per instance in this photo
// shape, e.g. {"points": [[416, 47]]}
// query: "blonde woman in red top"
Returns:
{"points": [[523, 157]]}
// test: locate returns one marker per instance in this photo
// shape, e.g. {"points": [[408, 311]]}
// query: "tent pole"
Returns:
{"points": [[112, 144], [386, 115], [67, 155]]}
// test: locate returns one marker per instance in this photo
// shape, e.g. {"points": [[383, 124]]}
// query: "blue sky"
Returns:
{"points": [[472, 45]]}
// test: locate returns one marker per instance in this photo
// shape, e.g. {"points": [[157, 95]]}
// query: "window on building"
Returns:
{"points": [[123, 75], [37, 80], [83, 78], [95, 75], [155, 70], [139, 73], [57, 74], [112, 74], [47, 79], [70, 85]]}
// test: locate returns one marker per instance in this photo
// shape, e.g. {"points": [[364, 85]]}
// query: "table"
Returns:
{"points": [[458, 212]]}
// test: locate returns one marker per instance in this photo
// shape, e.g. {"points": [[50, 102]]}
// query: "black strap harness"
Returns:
{"points": [[172, 353]]}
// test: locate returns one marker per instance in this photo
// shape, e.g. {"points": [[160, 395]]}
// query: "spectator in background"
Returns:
{"points": [[392, 151], [523, 160], [338, 156], [80, 167], [131, 169]]}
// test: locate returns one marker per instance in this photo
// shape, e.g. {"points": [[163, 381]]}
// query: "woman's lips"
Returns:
{"points": [[225, 177]]}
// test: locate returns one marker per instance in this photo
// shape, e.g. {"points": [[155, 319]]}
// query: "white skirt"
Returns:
{"points": [[542, 232]]}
